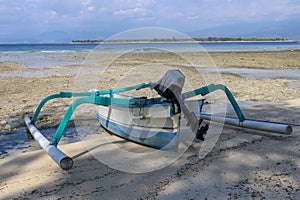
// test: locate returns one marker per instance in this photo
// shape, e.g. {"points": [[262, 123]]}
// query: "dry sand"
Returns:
{"points": [[244, 164]]}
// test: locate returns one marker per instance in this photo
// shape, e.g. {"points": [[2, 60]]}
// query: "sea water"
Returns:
{"points": [[150, 46]]}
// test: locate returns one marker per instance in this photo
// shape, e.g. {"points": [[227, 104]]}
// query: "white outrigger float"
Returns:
{"points": [[139, 119]]}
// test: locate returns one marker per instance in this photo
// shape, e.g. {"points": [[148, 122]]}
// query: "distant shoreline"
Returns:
{"points": [[178, 40]]}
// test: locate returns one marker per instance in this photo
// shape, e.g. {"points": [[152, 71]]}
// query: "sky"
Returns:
{"points": [[37, 21]]}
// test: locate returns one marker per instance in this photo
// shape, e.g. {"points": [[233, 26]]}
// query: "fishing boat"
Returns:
{"points": [[153, 122]]}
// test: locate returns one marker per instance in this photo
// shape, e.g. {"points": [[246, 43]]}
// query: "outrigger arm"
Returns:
{"points": [[241, 121], [64, 161]]}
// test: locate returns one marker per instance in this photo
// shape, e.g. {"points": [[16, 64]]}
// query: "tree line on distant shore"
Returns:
{"points": [[208, 39]]}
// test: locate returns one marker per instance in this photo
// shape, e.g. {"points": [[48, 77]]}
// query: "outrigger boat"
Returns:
{"points": [[153, 122]]}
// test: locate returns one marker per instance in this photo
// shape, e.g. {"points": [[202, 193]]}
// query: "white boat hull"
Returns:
{"points": [[152, 124]]}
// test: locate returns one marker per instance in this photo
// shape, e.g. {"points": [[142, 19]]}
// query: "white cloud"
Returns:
{"points": [[86, 2], [132, 12], [91, 8], [194, 17], [52, 13]]}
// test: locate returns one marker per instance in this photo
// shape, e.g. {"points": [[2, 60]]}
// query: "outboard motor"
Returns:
{"points": [[170, 86], [171, 83]]}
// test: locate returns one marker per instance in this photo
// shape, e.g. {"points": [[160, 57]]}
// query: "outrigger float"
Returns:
{"points": [[139, 119]]}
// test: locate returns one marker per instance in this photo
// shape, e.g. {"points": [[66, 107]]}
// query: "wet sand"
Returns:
{"points": [[244, 164]]}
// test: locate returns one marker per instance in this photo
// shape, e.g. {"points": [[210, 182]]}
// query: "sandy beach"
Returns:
{"points": [[21, 94], [244, 164]]}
